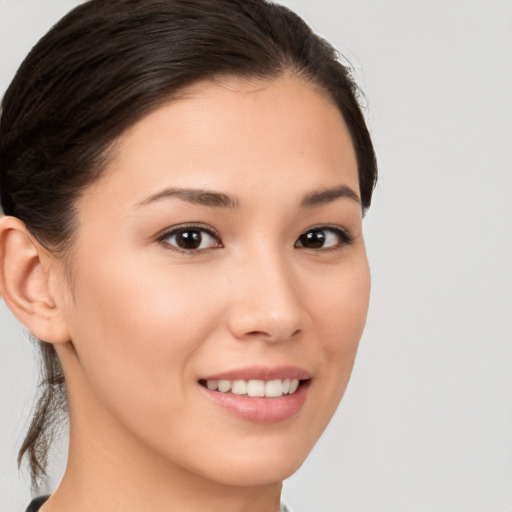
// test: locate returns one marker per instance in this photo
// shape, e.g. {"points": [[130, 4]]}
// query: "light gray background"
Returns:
{"points": [[426, 424]]}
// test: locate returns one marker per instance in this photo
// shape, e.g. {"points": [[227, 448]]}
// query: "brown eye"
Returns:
{"points": [[191, 239], [313, 239], [323, 238]]}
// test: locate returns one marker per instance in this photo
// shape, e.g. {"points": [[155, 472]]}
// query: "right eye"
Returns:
{"points": [[191, 239]]}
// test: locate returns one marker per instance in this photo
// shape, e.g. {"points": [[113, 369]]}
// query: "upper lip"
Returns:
{"points": [[261, 372]]}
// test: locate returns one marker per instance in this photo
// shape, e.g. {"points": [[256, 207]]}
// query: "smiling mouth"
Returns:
{"points": [[255, 388]]}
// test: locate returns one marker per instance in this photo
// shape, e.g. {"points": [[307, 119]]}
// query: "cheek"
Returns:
{"points": [[135, 328], [341, 310], [138, 303], [342, 305]]}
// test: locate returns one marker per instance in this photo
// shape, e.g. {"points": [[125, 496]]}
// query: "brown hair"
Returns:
{"points": [[99, 70]]}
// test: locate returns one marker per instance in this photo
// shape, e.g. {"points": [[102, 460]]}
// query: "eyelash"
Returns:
{"points": [[189, 227], [344, 236]]}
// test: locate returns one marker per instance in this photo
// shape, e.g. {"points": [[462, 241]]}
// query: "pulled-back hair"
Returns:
{"points": [[102, 68]]}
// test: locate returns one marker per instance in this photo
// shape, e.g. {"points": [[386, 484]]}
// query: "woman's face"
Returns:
{"points": [[222, 248]]}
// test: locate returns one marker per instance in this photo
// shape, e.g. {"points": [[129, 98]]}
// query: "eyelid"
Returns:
{"points": [[346, 238], [173, 230]]}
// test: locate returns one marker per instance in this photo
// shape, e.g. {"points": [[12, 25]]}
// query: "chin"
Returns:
{"points": [[256, 473], [264, 460]]}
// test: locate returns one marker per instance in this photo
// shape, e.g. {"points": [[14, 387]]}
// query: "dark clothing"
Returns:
{"points": [[34, 506]]}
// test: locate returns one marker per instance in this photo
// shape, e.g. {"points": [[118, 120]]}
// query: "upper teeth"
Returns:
{"points": [[255, 388]]}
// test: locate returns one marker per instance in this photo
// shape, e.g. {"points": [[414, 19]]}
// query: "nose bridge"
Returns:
{"points": [[267, 302]]}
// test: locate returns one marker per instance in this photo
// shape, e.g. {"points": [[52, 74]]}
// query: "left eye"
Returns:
{"points": [[191, 239], [323, 238]]}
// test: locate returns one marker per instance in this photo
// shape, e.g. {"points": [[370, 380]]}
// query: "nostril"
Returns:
{"points": [[257, 333], [274, 336]]}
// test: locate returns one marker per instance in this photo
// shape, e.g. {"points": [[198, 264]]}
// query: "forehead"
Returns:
{"points": [[231, 132]]}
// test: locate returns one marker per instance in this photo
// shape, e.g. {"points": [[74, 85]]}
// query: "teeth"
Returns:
{"points": [[224, 385], [255, 388], [274, 388], [212, 384], [239, 387]]}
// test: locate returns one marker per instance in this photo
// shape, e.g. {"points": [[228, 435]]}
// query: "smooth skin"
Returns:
{"points": [[138, 320]]}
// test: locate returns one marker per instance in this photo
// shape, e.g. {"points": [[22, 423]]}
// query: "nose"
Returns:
{"points": [[266, 301]]}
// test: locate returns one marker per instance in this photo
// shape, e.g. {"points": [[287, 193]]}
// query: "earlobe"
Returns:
{"points": [[25, 282]]}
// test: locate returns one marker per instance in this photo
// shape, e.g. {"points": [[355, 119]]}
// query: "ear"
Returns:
{"points": [[25, 276]]}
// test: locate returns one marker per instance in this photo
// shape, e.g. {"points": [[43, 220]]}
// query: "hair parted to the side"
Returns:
{"points": [[103, 67]]}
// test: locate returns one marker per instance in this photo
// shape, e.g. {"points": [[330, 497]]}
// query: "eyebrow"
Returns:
{"points": [[327, 195], [220, 200], [196, 196]]}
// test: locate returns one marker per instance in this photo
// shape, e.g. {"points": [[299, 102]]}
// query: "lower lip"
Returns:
{"points": [[261, 410]]}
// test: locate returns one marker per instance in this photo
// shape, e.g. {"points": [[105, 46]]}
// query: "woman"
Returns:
{"points": [[183, 184]]}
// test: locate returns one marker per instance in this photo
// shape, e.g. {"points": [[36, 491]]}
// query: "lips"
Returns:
{"points": [[259, 394], [265, 373]]}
